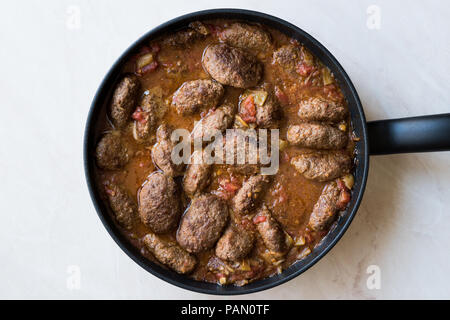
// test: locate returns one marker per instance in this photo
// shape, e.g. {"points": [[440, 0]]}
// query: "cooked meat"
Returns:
{"points": [[249, 37], [231, 66], [150, 112], [197, 94], [124, 100], [162, 152], [111, 151], [159, 203], [199, 27], [287, 58], [170, 254], [318, 109], [323, 166], [269, 114], [241, 152], [273, 236], [215, 121], [123, 205], [198, 175], [316, 136], [203, 223], [326, 207], [250, 194], [183, 38], [235, 244]]}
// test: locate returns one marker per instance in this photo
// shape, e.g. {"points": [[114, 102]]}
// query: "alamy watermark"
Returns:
{"points": [[236, 147]]}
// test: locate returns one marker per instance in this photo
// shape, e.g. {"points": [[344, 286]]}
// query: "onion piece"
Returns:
{"points": [[326, 76], [144, 60]]}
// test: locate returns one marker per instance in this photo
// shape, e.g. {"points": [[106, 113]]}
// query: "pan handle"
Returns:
{"points": [[405, 135]]}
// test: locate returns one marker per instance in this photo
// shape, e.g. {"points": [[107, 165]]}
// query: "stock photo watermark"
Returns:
{"points": [[73, 280], [236, 147], [373, 281], [373, 21], [73, 17]]}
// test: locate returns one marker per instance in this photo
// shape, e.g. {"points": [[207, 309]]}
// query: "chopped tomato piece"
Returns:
{"points": [[248, 110], [139, 115], [259, 219], [148, 68], [344, 197], [231, 187], [282, 97], [304, 69]]}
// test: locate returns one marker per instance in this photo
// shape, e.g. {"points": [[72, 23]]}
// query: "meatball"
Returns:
{"points": [[123, 205], [159, 203], [198, 94], [287, 58], [170, 254], [326, 207], [231, 66], [203, 223], [319, 109], [197, 176], [268, 115], [241, 153], [185, 38], [111, 152], [162, 152], [235, 243], [323, 166], [249, 37], [150, 112], [316, 136], [215, 121], [250, 194], [271, 233], [124, 100]]}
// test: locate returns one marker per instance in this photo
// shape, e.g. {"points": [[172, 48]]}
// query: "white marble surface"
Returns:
{"points": [[51, 70]]}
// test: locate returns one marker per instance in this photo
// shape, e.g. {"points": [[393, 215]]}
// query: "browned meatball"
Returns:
{"points": [[123, 205], [198, 175], [185, 38], [287, 58], [170, 254], [249, 196], [323, 166], [162, 152], [245, 36], [148, 115], [326, 207], [269, 114], [203, 223], [159, 203], [197, 94], [241, 152], [316, 136], [231, 66], [273, 236], [111, 151], [235, 244], [215, 121], [319, 109], [124, 100]]}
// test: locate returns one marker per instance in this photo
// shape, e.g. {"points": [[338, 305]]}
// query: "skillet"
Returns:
{"points": [[417, 134]]}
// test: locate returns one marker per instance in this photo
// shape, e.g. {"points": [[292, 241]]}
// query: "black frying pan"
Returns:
{"points": [[419, 134]]}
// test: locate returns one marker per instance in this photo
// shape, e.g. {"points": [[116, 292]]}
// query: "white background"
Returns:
{"points": [[51, 67]]}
